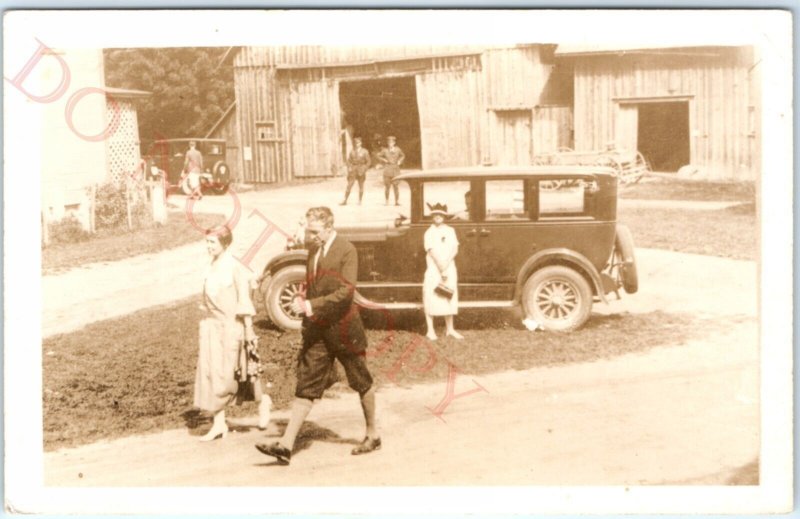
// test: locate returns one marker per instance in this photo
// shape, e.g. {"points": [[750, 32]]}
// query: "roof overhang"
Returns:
{"points": [[596, 50], [124, 93]]}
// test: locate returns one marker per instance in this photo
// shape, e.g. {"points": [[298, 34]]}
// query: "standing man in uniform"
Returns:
{"points": [[357, 165], [193, 166], [392, 158], [332, 330]]}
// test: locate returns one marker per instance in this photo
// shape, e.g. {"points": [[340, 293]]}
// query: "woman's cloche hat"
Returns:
{"points": [[438, 209]]}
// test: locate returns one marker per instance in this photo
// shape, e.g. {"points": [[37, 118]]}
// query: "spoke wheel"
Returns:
{"points": [[558, 298], [280, 292]]}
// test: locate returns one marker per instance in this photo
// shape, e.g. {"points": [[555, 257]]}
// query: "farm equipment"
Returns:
{"points": [[630, 166]]}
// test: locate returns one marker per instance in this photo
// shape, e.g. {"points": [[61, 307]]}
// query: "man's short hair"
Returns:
{"points": [[321, 214]]}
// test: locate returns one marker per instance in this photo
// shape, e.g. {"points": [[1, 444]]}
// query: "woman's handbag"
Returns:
{"points": [[444, 291], [248, 371]]}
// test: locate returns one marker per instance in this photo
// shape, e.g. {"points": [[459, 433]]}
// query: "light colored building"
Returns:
{"points": [[90, 134]]}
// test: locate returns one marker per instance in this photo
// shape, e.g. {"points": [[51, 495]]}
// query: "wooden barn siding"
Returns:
{"points": [[315, 125], [450, 103], [552, 128], [453, 96], [319, 54], [257, 101], [514, 79], [229, 132], [719, 96]]}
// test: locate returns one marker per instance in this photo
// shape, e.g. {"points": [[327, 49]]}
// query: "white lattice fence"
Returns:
{"points": [[122, 146]]}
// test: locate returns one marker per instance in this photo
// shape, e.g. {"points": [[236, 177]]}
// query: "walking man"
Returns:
{"points": [[392, 158], [193, 166], [357, 165], [332, 329]]}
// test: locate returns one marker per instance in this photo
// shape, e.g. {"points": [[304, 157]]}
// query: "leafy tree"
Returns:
{"points": [[190, 88]]}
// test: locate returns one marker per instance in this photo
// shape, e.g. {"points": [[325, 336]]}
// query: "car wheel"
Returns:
{"points": [[283, 287], [222, 178], [623, 244], [558, 298]]}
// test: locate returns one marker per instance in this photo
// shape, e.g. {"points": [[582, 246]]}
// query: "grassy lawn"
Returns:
{"points": [[727, 233], [120, 244], [659, 188], [136, 373]]}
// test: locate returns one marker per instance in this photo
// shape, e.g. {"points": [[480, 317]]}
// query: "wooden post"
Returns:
{"points": [[128, 205]]}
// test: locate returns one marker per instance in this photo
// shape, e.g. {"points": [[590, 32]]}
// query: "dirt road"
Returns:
{"points": [[675, 415]]}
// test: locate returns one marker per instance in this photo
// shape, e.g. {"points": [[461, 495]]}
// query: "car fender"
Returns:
{"points": [[284, 259], [563, 257]]}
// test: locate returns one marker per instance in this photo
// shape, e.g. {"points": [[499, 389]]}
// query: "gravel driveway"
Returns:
{"points": [[685, 414]]}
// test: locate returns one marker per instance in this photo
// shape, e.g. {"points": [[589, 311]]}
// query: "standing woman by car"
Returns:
{"points": [[228, 320], [440, 285]]}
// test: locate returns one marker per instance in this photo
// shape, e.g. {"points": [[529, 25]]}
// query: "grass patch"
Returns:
{"points": [[135, 374], [659, 188], [727, 233], [117, 244]]}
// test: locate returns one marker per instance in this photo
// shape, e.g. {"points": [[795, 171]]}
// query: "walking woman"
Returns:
{"points": [[228, 320], [440, 286]]}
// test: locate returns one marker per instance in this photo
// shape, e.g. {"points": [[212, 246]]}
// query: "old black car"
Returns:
{"points": [[168, 157], [545, 238]]}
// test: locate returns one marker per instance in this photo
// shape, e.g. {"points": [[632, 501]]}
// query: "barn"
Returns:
{"points": [[298, 108], [696, 108]]}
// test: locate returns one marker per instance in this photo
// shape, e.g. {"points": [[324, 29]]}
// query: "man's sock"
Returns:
{"points": [[300, 409]]}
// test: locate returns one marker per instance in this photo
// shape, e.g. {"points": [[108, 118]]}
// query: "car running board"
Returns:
{"points": [[360, 301]]}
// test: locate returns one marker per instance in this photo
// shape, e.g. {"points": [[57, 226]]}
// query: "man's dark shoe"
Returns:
{"points": [[276, 450], [367, 446]]}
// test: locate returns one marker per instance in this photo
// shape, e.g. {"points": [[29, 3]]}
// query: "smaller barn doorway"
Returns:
{"points": [[382, 107], [663, 135]]}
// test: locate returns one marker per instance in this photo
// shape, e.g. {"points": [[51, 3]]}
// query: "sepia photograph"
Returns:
{"points": [[540, 261]]}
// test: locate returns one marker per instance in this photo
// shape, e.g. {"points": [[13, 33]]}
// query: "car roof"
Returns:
{"points": [[471, 172]]}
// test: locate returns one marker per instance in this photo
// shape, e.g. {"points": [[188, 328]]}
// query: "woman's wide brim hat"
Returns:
{"points": [[438, 209]]}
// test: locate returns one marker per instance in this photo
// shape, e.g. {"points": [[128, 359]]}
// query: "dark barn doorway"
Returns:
{"points": [[376, 108], [663, 135]]}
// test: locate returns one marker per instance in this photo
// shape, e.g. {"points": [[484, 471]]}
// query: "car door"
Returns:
{"points": [[506, 233]]}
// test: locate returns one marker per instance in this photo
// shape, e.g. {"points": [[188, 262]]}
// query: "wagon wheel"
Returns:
{"points": [[608, 161], [641, 167], [541, 160]]}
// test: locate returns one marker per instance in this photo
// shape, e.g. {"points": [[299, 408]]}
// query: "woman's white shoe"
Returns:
{"points": [[215, 432]]}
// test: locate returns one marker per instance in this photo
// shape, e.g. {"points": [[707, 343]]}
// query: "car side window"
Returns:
{"points": [[455, 194], [564, 197], [506, 201]]}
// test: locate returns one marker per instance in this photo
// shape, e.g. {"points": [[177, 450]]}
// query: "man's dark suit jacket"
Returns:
{"points": [[330, 292]]}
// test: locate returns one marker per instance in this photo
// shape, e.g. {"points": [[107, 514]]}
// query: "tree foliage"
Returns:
{"points": [[190, 88]]}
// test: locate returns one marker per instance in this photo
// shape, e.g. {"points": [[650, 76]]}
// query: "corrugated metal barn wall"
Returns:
{"points": [[716, 84]]}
